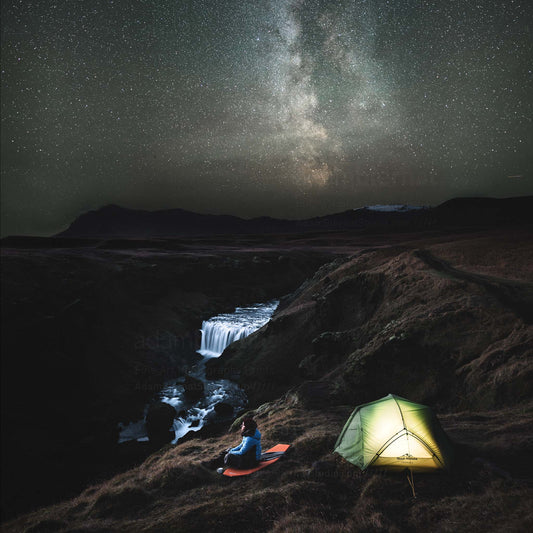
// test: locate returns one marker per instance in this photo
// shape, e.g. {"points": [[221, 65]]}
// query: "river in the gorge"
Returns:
{"points": [[216, 334]]}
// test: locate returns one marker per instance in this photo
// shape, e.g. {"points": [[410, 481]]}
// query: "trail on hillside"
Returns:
{"points": [[513, 294]]}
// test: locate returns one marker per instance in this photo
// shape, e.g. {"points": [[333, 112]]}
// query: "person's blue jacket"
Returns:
{"points": [[246, 445]]}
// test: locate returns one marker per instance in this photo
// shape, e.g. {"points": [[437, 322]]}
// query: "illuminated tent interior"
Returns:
{"points": [[393, 433]]}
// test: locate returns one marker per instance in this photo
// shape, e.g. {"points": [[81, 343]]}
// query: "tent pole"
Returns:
{"points": [[411, 481]]}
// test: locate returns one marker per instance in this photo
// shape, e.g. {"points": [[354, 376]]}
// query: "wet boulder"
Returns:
{"points": [[159, 421], [194, 389], [223, 409]]}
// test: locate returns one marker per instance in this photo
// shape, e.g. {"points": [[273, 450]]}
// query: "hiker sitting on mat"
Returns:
{"points": [[248, 453]]}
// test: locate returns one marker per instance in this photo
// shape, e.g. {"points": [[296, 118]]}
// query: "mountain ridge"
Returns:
{"points": [[113, 221]]}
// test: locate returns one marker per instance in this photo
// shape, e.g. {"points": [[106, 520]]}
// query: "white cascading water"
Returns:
{"points": [[220, 331], [216, 337]]}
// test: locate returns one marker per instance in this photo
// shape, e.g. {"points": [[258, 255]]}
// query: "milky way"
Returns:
{"points": [[288, 108]]}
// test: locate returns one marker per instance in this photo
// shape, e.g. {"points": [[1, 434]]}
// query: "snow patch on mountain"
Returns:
{"points": [[389, 208]]}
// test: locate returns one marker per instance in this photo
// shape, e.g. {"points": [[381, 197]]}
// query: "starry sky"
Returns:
{"points": [[287, 108]]}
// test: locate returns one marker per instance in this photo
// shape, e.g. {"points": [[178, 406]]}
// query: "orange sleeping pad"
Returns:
{"points": [[267, 458]]}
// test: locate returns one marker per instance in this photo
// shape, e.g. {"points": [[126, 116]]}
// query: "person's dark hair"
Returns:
{"points": [[249, 423]]}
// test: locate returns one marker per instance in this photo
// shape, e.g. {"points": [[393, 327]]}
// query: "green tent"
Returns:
{"points": [[394, 433]]}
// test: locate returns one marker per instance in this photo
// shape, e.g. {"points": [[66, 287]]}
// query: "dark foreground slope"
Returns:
{"points": [[444, 321], [311, 489]]}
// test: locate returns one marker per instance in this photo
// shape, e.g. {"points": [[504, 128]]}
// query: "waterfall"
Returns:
{"points": [[215, 337], [220, 331]]}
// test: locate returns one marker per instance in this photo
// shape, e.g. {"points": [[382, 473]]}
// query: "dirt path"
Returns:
{"points": [[515, 295]]}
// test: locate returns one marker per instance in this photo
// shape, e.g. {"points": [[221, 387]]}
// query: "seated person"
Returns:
{"points": [[248, 453]]}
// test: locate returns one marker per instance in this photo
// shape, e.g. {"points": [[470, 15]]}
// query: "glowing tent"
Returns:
{"points": [[394, 433]]}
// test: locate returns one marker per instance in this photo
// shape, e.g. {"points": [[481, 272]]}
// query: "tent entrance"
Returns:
{"points": [[405, 450]]}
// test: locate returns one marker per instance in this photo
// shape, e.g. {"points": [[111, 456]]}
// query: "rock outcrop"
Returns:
{"points": [[394, 320]]}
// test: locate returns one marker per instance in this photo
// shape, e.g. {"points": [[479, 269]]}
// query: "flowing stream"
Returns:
{"points": [[217, 333]]}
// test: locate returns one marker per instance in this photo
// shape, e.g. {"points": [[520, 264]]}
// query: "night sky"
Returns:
{"points": [[287, 108]]}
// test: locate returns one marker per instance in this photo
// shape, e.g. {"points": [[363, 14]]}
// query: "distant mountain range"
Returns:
{"points": [[113, 221]]}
